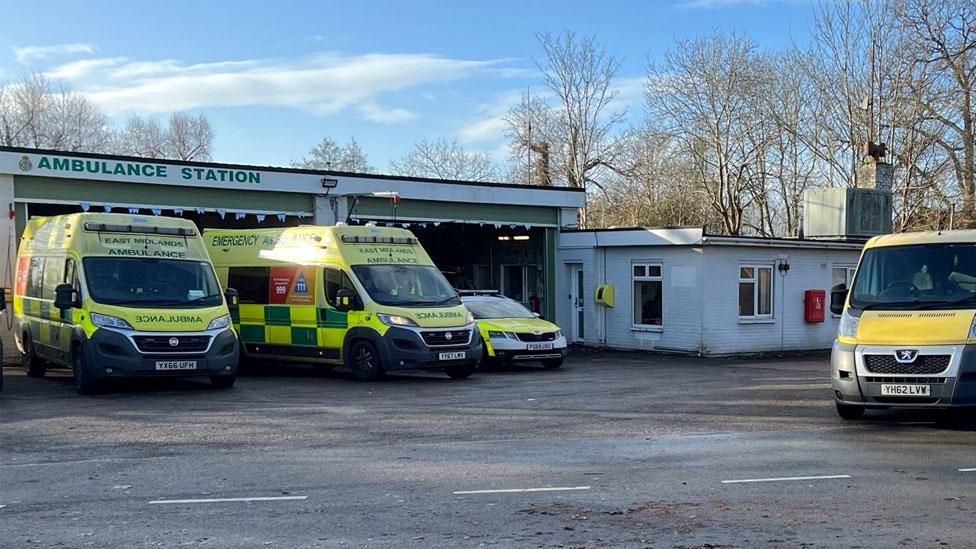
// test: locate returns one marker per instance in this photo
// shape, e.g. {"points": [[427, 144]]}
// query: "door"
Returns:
{"points": [[577, 302]]}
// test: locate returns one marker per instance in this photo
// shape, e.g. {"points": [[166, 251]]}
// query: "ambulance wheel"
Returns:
{"points": [[84, 383], [460, 372], [365, 362], [552, 363], [223, 382], [33, 365], [847, 411]]}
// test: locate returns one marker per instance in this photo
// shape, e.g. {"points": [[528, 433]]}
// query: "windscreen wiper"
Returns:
{"points": [[971, 300]]}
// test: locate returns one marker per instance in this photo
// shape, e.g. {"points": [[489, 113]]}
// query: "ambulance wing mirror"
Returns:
{"points": [[838, 297], [3, 299], [347, 300], [64, 296], [233, 299]]}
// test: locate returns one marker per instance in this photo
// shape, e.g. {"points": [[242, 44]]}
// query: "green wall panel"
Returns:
{"points": [[429, 209], [86, 190]]}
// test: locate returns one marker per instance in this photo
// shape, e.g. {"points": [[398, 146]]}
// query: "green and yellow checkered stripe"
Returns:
{"points": [[291, 325]]}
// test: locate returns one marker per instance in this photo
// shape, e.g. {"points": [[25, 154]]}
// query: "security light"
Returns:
{"points": [[329, 183]]}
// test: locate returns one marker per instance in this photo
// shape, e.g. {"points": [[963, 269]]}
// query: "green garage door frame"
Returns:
{"points": [[56, 189], [434, 210]]}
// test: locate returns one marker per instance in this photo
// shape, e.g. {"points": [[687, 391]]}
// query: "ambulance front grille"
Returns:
{"points": [[923, 364], [525, 336], [446, 338], [165, 343]]}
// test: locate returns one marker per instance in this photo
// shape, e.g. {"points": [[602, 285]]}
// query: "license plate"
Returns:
{"points": [[905, 390], [459, 355], [176, 365], [538, 346]]}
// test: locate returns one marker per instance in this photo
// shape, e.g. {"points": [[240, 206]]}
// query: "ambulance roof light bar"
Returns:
{"points": [[139, 229]]}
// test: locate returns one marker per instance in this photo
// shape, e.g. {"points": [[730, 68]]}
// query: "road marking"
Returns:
{"points": [[970, 470], [779, 479], [46, 463], [522, 490], [225, 500]]}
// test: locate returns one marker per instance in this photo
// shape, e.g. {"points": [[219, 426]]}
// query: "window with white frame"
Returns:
{"points": [[648, 294], [755, 291], [842, 274]]}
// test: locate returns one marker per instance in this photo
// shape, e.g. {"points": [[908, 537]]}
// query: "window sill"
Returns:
{"points": [[746, 320], [646, 328]]}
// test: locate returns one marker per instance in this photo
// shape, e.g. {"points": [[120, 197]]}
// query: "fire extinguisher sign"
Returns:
{"points": [[291, 286]]}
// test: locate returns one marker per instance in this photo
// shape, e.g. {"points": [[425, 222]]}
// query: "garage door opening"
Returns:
{"points": [[510, 259]]}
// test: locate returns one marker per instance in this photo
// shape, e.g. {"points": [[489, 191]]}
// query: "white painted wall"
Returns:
{"points": [[8, 259], [700, 285]]}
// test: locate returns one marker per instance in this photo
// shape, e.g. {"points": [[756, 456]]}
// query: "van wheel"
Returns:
{"points": [[460, 372], [34, 366], [365, 362], [223, 382], [85, 384], [847, 411], [552, 363]]}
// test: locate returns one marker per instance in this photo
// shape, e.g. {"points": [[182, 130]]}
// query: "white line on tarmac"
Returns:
{"points": [[46, 463], [780, 479], [522, 490], [970, 470], [225, 500]]}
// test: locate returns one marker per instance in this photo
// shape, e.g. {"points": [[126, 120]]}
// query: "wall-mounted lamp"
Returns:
{"points": [[783, 267], [329, 183]]}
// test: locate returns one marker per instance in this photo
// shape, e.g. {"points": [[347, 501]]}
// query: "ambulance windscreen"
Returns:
{"points": [[140, 282], [406, 285]]}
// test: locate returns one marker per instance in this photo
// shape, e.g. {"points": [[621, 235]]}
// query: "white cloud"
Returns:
{"points": [[27, 54], [373, 112], [81, 68], [323, 84]]}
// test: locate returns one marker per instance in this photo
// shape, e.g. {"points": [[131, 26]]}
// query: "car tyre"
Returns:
{"points": [[223, 382], [85, 384], [33, 365], [552, 363], [848, 411], [460, 372], [364, 361]]}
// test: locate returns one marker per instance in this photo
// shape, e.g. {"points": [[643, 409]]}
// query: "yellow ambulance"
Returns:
{"points": [[365, 297], [117, 295], [907, 334]]}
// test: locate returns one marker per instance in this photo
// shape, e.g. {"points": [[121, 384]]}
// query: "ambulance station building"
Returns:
{"points": [[483, 235]]}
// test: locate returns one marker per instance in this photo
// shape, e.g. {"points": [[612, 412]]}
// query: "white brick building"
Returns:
{"points": [[683, 290]]}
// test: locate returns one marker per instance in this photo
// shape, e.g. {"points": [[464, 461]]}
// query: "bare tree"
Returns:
{"points": [[330, 155], [445, 159], [189, 137], [702, 94], [943, 36], [35, 113], [142, 136]]}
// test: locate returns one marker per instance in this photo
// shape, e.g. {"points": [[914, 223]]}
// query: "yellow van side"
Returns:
{"points": [[907, 335], [115, 295], [368, 298]]}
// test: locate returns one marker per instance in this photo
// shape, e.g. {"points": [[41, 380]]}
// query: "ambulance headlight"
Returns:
{"points": [[559, 334], [395, 320], [219, 323], [470, 318], [502, 335], [106, 321], [848, 325]]}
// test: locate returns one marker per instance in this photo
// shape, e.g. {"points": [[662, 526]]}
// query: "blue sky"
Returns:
{"points": [[275, 77]]}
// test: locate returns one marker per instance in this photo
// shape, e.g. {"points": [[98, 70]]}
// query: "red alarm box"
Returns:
{"points": [[814, 303]]}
